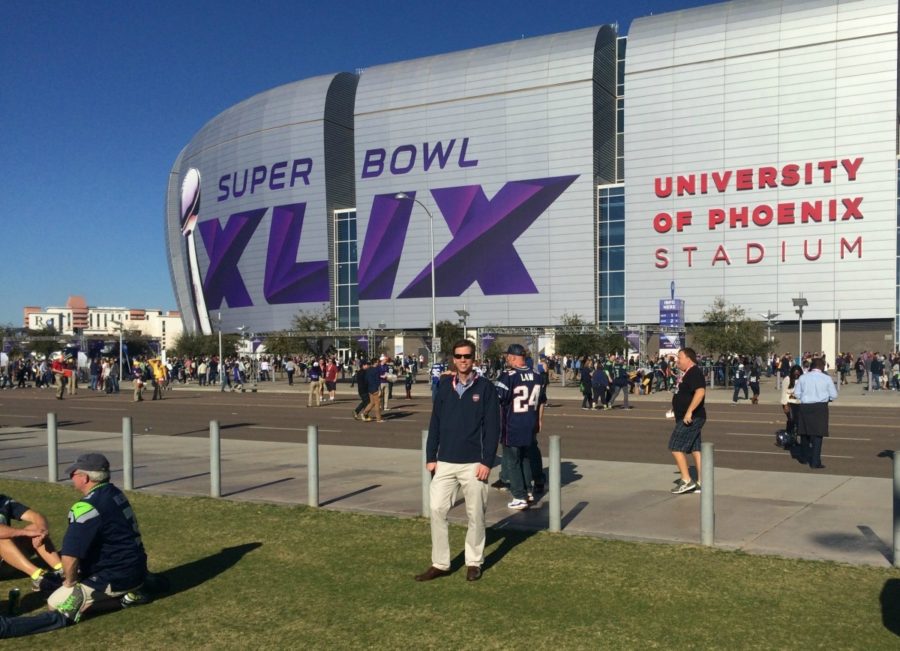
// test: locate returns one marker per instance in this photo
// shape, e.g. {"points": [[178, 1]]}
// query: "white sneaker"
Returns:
{"points": [[517, 505]]}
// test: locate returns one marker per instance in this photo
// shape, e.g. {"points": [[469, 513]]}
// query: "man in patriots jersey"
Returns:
{"points": [[437, 370], [522, 400]]}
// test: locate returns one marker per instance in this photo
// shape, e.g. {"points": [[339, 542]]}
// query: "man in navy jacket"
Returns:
{"points": [[460, 450]]}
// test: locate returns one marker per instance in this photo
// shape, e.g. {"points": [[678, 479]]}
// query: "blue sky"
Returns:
{"points": [[97, 99]]}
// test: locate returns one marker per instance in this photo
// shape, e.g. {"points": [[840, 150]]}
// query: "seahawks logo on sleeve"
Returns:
{"points": [[82, 512]]}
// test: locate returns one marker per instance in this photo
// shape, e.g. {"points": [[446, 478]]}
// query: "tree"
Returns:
{"points": [[726, 329], [579, 338], [305, 322], [450, 332], [197, 345]]}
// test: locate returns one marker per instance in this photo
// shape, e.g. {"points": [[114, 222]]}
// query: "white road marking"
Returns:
{"points": [[824, 456], [835, 438]]}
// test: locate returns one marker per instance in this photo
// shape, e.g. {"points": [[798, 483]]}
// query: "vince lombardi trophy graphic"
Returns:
{"points": [[190, 208]]}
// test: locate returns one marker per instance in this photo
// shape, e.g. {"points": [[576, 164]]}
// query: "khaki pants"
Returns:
{"points": [[374, 405], [383, 394], [447, 478], [315, 393]]}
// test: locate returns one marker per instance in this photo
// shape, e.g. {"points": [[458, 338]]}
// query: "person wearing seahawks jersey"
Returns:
{"points": [[522, 399], [102, 553]]}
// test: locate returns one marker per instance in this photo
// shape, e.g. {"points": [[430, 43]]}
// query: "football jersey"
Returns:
{"points": [[521, 394], [436, 371], [10, 510]]}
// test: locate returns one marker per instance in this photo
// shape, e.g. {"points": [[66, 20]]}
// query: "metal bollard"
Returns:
{"points": [[215, 460], [707, 496], [52, 446], [312, 464], [555, 485], [127, 453], [896, 555], [426, 478]]}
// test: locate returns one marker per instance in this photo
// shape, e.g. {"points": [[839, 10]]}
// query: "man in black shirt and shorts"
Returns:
{"points": [[690, 415]]}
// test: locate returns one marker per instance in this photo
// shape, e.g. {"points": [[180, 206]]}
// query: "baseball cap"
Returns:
{"points": [[516, 349], [89, 461]]}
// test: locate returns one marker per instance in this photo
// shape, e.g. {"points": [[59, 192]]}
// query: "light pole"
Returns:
{"points": [[463, 316], [121, 327], [800, 303], [221, 361], [402, 196]]}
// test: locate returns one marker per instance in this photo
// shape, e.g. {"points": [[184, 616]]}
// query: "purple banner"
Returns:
{"points": [[385, 235], [224, 246]]}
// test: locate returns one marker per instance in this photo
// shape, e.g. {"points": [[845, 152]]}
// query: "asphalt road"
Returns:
{"points": [[743, 434]]}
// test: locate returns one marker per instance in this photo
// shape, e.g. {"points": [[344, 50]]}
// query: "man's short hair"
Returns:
{"points": [[96, 475], [464, 343], [818, 363], [690, 353]]}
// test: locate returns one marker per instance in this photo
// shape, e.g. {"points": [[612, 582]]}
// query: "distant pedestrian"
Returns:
{"points": [[690, 416], [815, 390]]}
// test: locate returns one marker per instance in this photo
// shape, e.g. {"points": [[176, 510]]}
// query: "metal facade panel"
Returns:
{"points": [[507, 121], [813, 100], [266, 152]]}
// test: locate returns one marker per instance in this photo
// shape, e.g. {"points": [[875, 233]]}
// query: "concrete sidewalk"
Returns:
{"points": [[822, 517]]}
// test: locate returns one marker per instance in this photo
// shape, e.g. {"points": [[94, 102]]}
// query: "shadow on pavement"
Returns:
{"points": [[890, 606], [253, 488], [566, 520], [221, 428], [347, 495], [569, 473], [848, 542]]}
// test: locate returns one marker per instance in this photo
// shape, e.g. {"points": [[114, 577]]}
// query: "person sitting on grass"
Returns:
{"points": [[102, 554], [34, 539], [19, 626]]}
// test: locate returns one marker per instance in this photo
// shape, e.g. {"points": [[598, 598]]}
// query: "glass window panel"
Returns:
{"points": [[604, 284], [617, 309], [354, 295], [343, 230], [344, 295], [604, 234], [353, 279], [616, 283], [616, 233], [354, 317], [353, 257], [602, 257], [352, 229], [343, 274], [616, 258], [343, 319]]}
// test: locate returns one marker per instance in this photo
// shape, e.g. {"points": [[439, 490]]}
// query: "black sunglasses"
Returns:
{"points": [[463, 355]]}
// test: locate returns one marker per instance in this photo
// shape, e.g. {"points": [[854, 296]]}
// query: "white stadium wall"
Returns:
{"points": [[761, 151], [265, 205], [497, 143]]}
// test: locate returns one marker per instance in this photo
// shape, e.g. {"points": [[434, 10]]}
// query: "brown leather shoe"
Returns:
{"points": [[473, 573], [432, 573]]}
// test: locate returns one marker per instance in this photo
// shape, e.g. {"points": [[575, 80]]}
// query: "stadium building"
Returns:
{"points": [[745, 149]]}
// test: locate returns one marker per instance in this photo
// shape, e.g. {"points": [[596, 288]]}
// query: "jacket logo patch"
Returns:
{"points": [[475, 397]]}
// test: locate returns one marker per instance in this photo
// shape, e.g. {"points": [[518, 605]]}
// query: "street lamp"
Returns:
{"points": [[463, 315], [221, 361], [800, 303], [121, 327], [402, 196]]}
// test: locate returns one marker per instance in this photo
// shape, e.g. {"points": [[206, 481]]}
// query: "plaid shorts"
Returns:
{"points": [[686, 438]]}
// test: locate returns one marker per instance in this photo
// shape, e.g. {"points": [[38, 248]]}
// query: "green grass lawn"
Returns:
{"points": [[248, 576]]}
